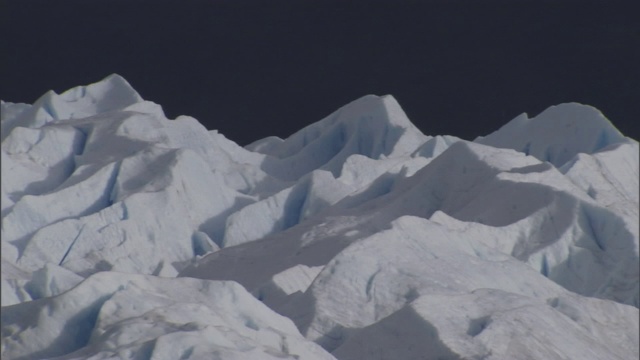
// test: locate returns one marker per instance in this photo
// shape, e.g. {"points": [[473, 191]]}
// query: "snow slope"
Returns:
{"points": [[129, 235]]}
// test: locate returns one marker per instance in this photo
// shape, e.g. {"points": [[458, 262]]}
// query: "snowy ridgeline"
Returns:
{"points": [[126, 235]]}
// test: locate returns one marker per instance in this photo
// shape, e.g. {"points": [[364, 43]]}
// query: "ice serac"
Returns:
{"points": [[373, 126], [557, 228], [495, 209], [285, 209], [81, 188], [129, 235], [38, 159], [423, 258], [435, 146], [610, 176], [557, 134], [112, 93], [129, 316], [541, 330]]}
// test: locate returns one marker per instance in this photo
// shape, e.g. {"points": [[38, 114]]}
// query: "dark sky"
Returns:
{"points": [[256, 68]]}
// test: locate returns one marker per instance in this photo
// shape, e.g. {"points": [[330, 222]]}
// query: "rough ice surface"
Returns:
{"points": [[127, 235]]}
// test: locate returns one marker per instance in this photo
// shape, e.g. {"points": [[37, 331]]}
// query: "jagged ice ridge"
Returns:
{"points": [[126, 235]]}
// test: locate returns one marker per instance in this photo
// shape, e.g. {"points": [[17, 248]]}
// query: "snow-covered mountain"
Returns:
{"points": [[126, 235]]}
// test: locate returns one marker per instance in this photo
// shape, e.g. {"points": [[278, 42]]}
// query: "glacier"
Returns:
{"points": [[128, 235]]}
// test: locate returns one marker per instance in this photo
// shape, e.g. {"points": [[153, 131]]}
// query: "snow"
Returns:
{"points": [[497, 325], [112, 93], [557, 134], [372, 126], [105, 317], [127, 235]]}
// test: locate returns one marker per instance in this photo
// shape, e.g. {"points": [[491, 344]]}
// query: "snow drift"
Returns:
{"points": [[129, 235]]}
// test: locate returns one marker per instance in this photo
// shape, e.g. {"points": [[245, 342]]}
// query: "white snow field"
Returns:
{"points": [[127, 235]]}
